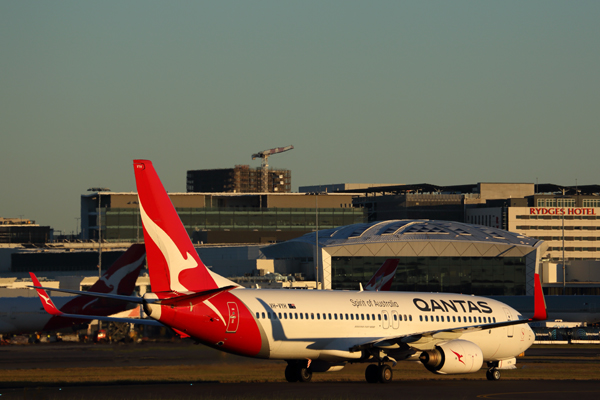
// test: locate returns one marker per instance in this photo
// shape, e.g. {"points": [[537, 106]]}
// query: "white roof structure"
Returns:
{"points": [[411, 238]]}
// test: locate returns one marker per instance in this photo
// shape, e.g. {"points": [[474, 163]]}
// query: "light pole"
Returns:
{"points": [[316, 194], [562, 207]]}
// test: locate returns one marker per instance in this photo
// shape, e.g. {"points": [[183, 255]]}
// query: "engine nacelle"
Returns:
{"points": [[453, 357]]}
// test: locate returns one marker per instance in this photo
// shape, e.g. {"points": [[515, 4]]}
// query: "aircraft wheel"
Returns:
{"points": [[492, 374], [385, 373], [305, 374], [292, 374], [372, 373]]}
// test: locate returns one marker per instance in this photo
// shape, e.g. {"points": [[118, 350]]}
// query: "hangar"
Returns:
{"points": [[435, 256]]}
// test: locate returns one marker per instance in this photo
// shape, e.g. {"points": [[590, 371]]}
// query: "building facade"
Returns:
{"points": [[241, 179], [434, 256], [222, 217]]}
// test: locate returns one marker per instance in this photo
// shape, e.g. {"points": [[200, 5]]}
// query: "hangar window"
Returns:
{"points": [[462, 232], [395, 227], [425, 228]]}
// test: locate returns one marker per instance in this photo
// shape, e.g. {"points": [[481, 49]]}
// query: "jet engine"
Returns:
{"points": [[453, 357]]}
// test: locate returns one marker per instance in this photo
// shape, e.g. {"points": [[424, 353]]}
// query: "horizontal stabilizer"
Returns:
{"points": [[200, 296]]}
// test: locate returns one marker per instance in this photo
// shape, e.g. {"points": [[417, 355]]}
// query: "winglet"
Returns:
{"points": [[539, 311], [44, 298]]}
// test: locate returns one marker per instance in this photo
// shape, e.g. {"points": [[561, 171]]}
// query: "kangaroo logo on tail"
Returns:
{"points": [[173, 262]]}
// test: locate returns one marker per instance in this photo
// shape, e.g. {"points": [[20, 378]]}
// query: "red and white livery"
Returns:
{"points": [[24, 315], [314, 330]]}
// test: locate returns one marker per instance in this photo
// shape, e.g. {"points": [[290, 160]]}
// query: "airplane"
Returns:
{"points": [[317, 330], [24, 314], [383, 278]]}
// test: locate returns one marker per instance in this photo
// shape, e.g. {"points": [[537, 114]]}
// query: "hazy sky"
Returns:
{"points": [[442, 92]]}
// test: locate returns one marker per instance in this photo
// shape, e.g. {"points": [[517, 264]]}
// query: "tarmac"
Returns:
{"points": [[77, 355]]}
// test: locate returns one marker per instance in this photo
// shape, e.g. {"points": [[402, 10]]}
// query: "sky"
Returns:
{"points": [[440, 92]]}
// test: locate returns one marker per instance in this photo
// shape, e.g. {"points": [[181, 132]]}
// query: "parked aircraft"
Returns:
{"points": [[585, 308], [383, 278], [317, 330], [24, 314]]}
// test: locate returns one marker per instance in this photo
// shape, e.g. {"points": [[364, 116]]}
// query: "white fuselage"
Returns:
{"points": [[326, 324], [25, 314]]}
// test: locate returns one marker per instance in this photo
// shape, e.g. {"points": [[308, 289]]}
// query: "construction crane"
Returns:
{"points": [[264, 156]]}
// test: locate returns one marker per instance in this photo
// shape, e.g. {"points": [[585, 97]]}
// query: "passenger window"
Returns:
{"points": [[373, 317], [367, 317], [352, 317], [295, 315], [379, 317], [306, 316], [421, 318], [334, 316], [318, 316], [329, 315], [410, 317], [470, 319], [300, 315], [453, 318], [257, 315], [426, 319], [479, 319], [395, 317], [494, 319], [437, 318], [263, 315], [312, 316]]}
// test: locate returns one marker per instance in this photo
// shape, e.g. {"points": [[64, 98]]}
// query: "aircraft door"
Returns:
{"points": [[511, 328], [395, 321], [385, 319], [234, 319]]}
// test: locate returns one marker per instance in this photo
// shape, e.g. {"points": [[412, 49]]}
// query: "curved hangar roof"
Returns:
{"points": [[410, 238]]}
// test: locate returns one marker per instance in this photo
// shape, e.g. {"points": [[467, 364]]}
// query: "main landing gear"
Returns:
{"points": [[378, 373], [298, 371], [492, 374]]}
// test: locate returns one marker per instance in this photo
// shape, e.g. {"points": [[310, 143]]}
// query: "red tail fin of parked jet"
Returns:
{"points": [[383, 278], [173, 261]]}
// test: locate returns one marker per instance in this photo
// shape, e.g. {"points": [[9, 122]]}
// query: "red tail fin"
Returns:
{"points": [[173, 262], [539, 312], [120, 278], [383, 278]]}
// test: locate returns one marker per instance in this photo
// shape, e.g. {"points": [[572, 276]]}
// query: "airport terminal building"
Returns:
{"points": [[435, 256]]}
